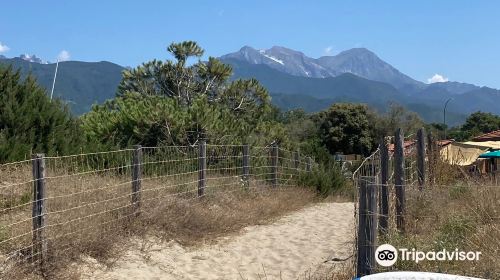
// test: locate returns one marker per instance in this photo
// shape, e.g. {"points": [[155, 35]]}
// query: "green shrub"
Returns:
{"points": [[325, 178], [13, 201], [32, 123], [458, 191], [453, 233]]}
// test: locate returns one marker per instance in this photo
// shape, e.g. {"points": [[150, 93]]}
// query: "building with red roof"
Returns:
{"points": [[409, 147], [490, 136]]}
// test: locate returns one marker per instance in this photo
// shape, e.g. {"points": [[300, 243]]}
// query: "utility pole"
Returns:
{"points": [[54, 82], [444, 115]]}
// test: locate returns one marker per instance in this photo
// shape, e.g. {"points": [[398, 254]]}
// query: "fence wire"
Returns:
{"points": [[369, 173], [423, 204], [91, 195], [370, 167]]}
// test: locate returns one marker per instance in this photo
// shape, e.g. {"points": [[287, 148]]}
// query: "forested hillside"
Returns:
{"points": [[79, 84]]}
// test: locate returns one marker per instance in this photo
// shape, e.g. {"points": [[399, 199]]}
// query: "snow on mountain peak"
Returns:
{"points": [[274, 59], [32, 58], [359, 61]]}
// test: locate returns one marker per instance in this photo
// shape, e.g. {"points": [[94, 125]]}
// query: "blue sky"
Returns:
{"points": [[457, 39]]}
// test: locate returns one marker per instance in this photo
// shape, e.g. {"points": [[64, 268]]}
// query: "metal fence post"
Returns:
{"points": [[39, 211], [246, 165], [136, 178], [421, 158], [399, 179], [366, 226], [384, 189], [274, 165], [202, 168]]}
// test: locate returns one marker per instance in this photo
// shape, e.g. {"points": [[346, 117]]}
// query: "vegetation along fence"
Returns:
{"points": [[382, 181], [404, 199], [48, 201]]}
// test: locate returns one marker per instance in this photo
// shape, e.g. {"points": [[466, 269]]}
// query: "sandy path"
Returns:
{"points": [[292, 246]]}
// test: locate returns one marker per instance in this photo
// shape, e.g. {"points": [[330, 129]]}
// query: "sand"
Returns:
{"points": [[292, 247]]}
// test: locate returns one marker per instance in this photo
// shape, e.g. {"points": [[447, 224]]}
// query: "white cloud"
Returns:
{"points": [[3, 48], [329, 50], [63, 56], [437, 79]]}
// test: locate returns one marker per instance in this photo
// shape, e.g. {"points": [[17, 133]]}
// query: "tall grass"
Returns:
{"points": [[188, 221], [89, 202], [327, 179], [454, 211]]}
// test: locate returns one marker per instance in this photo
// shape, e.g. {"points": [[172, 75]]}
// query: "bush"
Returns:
{"points": [[30, 122], [326, 178], [459, 191], [453, 233]]}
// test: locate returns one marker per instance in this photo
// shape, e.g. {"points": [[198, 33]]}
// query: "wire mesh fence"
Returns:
{"points": [[395, 199], [368, 172], [382, 182], [50, 202]]}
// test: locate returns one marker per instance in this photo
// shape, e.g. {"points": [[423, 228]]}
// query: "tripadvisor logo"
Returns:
{"points": [[387, 255]]}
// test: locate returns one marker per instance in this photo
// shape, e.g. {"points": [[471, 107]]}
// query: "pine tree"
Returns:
{"points": [[171, 102], [30, 122]]}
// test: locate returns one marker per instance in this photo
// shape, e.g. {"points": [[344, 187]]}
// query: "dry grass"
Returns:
{"points": [[89, 213], [460, 216], [195, 222], [453, 211], [90, 216], [340, 271]]}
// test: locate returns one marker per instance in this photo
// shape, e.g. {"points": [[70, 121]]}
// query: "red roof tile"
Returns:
{"points": [[490, 136], [407, 147], [442, 143]]}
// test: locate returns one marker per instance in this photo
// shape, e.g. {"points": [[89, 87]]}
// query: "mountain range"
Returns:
{"points": [[293, 79], [80, 84], [358, 61], [355, 75]]}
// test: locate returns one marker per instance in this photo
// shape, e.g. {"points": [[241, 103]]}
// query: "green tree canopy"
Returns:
{"points": [[476, 124], [345, 127], [172, 102], [396, 117], [479, 122], [30, 122], [175, 79]]}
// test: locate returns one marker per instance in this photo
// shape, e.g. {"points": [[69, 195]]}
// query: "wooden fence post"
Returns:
{"points": [[246, 165], [399, 179], [371, 223], [367, 226], [296, 160], [431, 162], [421, 158], [202, 168], [274, 165], [384, 188], [308, 164], [361, 240], [39, 212], [136, 179]]}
